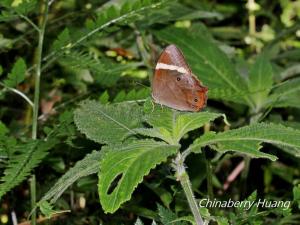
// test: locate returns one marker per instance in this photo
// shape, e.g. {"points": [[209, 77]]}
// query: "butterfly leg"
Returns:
{"points": [[161, 106], [153, 106]]}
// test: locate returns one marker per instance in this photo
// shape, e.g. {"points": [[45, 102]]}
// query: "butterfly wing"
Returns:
{"points": [[174, 85]]}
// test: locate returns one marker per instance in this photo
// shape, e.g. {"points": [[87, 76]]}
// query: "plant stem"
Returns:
{"points": [[252, 24], [38, 58], [184, 180], [38, 72], [209, 179], [33, 198]]}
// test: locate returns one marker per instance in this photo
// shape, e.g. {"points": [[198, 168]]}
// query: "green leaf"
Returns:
{"points": [[27, 156], [104, 98], [7, 15], [260, 132], [16, 8], [138, 222], [209, 63], [287, 94], [296, 194], [260, 80], [130, 11], [47, 209], [17, 74], [3, 129], [290, 71], [85, 167], [168, 217], [250, 148], [107, 123], [104, 71], [1, 70], [63, 39], [125, 166], [24, 6], [132, 95], [171, 125]]}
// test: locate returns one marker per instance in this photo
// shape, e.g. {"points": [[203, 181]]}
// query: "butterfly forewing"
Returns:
{"points": [[174, 85]]}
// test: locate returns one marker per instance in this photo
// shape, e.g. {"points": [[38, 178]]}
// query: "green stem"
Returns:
{"points": [[209, 179], [38, 72], [252, 24], [38, 58], [184, 180], [33, 198]]}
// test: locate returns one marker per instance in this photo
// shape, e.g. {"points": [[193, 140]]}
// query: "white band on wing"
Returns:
{"points": [[170, 67]]}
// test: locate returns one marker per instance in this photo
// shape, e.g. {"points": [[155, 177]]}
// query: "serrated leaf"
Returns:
{"points": [[260, 80], [3, 129], [250, 148], [168, 217], [17, 74], [24, 7], [287, 94], [6, 16], [290, 71], [27, 156], [85, 167], [209, 63], [104, 71], [138, 222], [171, 125], [47, 209], [104, 98], [132, 95], [296, 194], [263, 132], [112, 12], [153, 223], [107, 123], [63, 39], [126, 165]]}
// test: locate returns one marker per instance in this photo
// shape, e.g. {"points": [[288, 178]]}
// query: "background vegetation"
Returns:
{"points": [[76, 120]]}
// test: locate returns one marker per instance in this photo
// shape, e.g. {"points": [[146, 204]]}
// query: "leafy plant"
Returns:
{"points": [[75, 103]]}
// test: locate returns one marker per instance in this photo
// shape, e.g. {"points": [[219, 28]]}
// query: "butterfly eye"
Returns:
{"points": [[178, 78]]}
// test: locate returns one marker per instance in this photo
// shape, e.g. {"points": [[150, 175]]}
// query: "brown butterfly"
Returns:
{"points": [[174, 85]]}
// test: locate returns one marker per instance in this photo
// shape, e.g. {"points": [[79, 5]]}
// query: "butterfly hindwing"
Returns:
{"points": [[174, 85]]}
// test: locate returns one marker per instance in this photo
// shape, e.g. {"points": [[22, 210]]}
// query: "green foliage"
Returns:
{"points": [[132, 95], [296, 193], [14, 9], [139, 222], [168, 217], [103, 70], [252, 134], [7, 143], [123, 168], [210, 64], [286, 95], [85, 167], [247, 55], [47, 209], [17, 74], [171, 125], [260, 80], [107, 124], [26, 157], [62, 41]]}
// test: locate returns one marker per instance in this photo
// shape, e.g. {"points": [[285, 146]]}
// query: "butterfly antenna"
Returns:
{"points": [[136, 82]]}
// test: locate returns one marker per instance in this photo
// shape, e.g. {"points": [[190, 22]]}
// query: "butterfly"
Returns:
{"points": [[174, 85]]}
